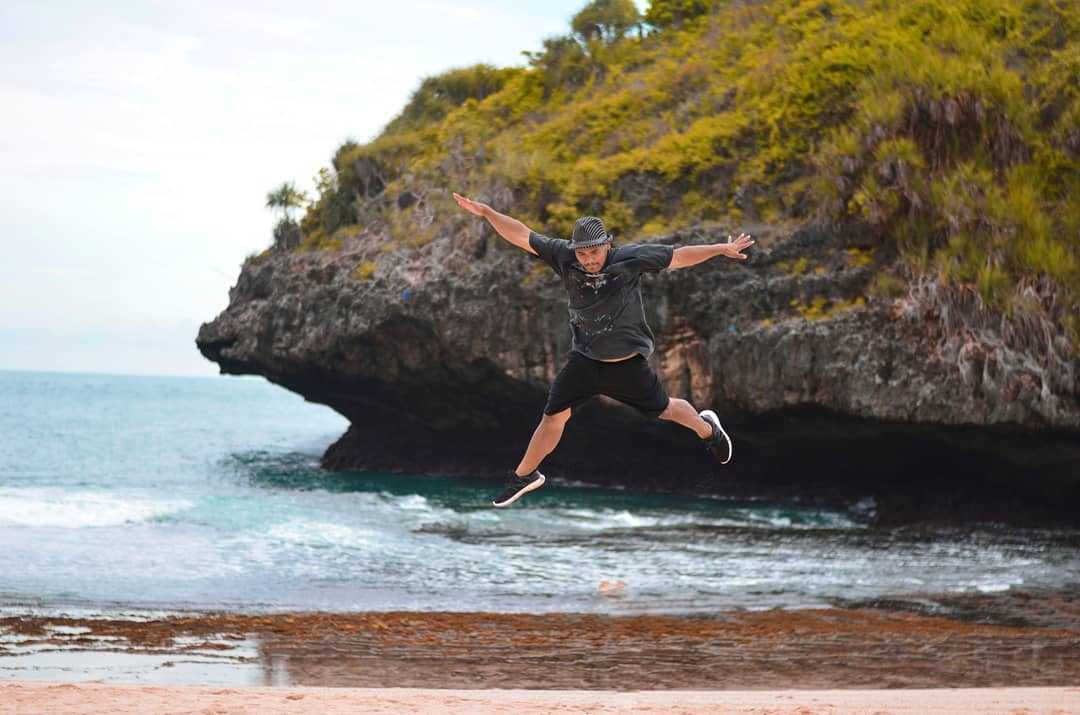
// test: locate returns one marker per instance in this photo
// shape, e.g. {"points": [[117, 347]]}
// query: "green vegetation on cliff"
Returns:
{"points": [[949, 131]]}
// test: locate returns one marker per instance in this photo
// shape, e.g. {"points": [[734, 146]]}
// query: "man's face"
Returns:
{"points": [[592, 259]]}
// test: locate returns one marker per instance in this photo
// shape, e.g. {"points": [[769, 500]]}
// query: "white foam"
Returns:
{"points": [[322, 533], [747, 518], [58, 507], [606, 518], [602, 519], [987, 583], [413, 502], [775, 518]]}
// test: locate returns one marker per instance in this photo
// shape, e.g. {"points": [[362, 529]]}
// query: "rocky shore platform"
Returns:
{"points": [[957, 641]]}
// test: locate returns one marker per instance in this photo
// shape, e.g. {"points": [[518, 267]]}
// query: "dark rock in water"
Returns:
{"points": [[441, 362]]}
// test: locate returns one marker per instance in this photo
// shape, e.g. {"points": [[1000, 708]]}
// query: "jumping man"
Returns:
{"points": [[610, 340]]}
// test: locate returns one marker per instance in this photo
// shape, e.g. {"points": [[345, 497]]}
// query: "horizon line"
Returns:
{"points": [[121, 374]]}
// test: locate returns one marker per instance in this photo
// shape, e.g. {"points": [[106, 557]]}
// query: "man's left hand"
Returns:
{"points": [[735, 246]]}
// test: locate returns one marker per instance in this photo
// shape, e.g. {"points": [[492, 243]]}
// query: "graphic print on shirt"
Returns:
{"points": [[596, 281], [586, 317]]}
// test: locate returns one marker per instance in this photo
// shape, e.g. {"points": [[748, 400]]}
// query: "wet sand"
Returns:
{"points": [[94, 698], [1015, 640]]}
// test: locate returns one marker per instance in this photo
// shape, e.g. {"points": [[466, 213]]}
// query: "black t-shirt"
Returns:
{"points": [[607, 316]]}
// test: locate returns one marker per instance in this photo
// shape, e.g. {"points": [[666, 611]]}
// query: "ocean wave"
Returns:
{"points": [[304, 532], [584, 521], [616, 519], [58, 507], [786, 518], [409, 502], [603, 519]]}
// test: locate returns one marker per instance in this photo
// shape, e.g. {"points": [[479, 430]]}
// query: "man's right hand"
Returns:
{"points": [[473, 207]]}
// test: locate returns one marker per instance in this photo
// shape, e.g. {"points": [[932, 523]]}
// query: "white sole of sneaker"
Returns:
{"points": [[730, 447], [528, 488]]}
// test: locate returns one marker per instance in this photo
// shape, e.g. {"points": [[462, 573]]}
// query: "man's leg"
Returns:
{"points": [[544, 439], [574, 385], [717, 439], [682, 412], [526, 477], [632, 381]]}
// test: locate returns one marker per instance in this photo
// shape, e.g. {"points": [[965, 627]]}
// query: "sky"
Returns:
{"points": [[139, 141]]}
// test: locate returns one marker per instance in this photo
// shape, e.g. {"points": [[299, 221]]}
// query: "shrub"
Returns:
{"points": [[364, 270], [438, 95], [949, 128], [664, 13], [887, 285], [286, 235], [605, 20], [563, 64]]}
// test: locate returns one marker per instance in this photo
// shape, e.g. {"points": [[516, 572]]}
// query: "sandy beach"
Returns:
{"points": [[1002, 653], [95, 698]]}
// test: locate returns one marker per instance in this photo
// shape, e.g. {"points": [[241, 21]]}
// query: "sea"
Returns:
{"points": [[124, 493]]}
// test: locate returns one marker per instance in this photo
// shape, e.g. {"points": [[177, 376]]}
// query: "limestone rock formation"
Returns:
{"points": [[441, 357]]}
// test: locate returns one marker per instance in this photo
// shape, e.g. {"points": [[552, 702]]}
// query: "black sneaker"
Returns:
{"points": [[516, 486], [719, 443]]}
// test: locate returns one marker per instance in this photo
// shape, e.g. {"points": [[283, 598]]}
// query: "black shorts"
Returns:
{"points": [[629, 381]]}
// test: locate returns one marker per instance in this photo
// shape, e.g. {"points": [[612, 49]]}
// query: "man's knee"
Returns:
{"points": [[558, 419]]}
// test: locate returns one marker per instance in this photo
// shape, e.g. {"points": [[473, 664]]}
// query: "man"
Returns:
{"points": [[610, 340]]}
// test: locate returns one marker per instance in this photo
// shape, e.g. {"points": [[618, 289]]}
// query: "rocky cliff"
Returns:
{"points": [[836, 385]]}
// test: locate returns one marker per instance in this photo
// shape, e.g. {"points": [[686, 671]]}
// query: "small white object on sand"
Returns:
{"points": [[611, 588]]}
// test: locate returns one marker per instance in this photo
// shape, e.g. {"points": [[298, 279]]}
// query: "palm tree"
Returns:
{"points": [[286, 198]]}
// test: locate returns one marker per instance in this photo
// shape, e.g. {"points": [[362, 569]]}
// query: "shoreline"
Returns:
{"points": [[92, 698], [1008, 640]]}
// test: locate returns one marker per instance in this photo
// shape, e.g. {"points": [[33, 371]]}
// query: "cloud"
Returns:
{"points": [[140, 139]]}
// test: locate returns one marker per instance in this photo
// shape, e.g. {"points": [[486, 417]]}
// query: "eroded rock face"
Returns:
{"points": [[441, 363]]}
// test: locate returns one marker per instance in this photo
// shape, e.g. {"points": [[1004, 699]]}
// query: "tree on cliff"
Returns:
{"points": [[286, 198], [664, 13], [605, 20]]}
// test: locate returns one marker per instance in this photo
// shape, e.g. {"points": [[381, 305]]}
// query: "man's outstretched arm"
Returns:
{"points": [[686, 256], [509, 228]]}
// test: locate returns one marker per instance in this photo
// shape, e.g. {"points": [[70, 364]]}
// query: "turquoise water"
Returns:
{"points": [[163, 493]]}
